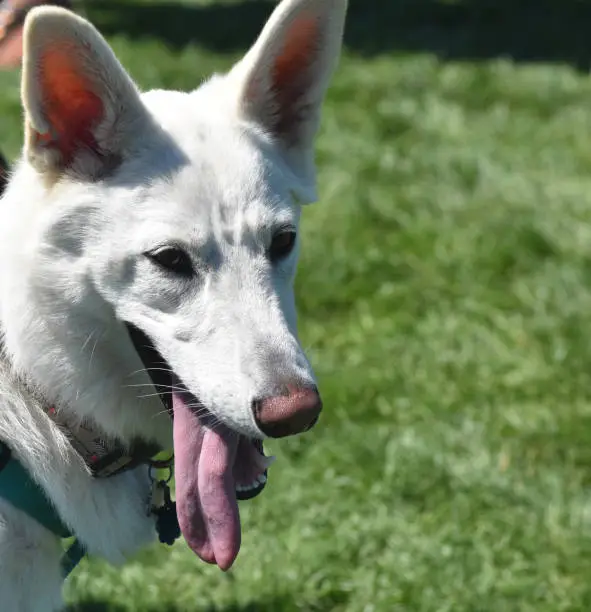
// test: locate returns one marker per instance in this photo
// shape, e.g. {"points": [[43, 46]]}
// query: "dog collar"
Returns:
{"points": [[104, 457]]}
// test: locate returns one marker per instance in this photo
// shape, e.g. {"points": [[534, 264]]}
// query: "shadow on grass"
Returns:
{"points": [[278, 604], [103, 606], [525, 30]]}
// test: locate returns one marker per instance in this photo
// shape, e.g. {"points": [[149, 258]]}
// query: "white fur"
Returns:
{"points": [[207, 169]]}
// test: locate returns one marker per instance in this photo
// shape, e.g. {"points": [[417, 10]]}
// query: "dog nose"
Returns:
{"points": [[285, 415]]}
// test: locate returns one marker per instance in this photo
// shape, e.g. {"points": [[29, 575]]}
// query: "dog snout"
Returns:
{"points": [[293, 412]]}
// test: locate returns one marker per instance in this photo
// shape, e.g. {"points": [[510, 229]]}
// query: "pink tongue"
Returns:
{"points": [[205, 491]]}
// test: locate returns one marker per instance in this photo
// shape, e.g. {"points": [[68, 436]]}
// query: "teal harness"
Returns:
{"points": [[104, 459], [21, 491]]}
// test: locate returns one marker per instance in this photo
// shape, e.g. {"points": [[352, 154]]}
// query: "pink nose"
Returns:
{"points": [[285, 415]]}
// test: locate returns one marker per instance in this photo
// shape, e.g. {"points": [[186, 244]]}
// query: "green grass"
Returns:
{"points": [[445, 295]]}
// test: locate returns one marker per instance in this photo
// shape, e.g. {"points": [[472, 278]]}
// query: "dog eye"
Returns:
{"points": [[282, 245], [172, 259]]}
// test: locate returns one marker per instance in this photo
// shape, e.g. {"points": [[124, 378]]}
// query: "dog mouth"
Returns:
{"points": [[215, 466]]}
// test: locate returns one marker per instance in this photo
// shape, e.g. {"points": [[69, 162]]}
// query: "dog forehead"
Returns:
{"points": [[202, 199], [230, 175], [210, 136]]}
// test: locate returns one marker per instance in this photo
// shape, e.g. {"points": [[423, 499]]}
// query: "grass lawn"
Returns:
{"points": [[445, 295]]}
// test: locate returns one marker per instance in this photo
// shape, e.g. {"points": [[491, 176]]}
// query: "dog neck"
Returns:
{"points": [[106, 456]]}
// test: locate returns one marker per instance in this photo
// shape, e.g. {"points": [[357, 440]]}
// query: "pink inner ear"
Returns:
{"points": [[71, 108], [292, 75]]}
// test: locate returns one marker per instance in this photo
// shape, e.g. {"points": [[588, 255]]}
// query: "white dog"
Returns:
{"points": [[148, 248]]}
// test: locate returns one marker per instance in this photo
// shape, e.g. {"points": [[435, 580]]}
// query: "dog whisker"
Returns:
{"points": [[162, 394], [148, 370], [150, 386], [85, 343]]}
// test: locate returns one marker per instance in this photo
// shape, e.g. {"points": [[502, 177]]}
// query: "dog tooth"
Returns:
{"points": [[266, 462]]}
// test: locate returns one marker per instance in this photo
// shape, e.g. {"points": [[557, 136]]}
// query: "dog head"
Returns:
{"points": [[176, 213]]}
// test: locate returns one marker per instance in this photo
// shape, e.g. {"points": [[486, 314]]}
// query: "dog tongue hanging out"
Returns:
{"points": [[175, 215]]}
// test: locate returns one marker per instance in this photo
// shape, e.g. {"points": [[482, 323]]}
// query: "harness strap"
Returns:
{"points": [[21, 491], [72, 557], [104, 458]]}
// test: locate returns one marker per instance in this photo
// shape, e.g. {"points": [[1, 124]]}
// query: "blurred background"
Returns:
{"points": [[445, 298]]}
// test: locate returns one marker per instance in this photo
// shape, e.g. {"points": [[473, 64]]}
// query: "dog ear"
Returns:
{"points": [[81, 107], [285, 75]]}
